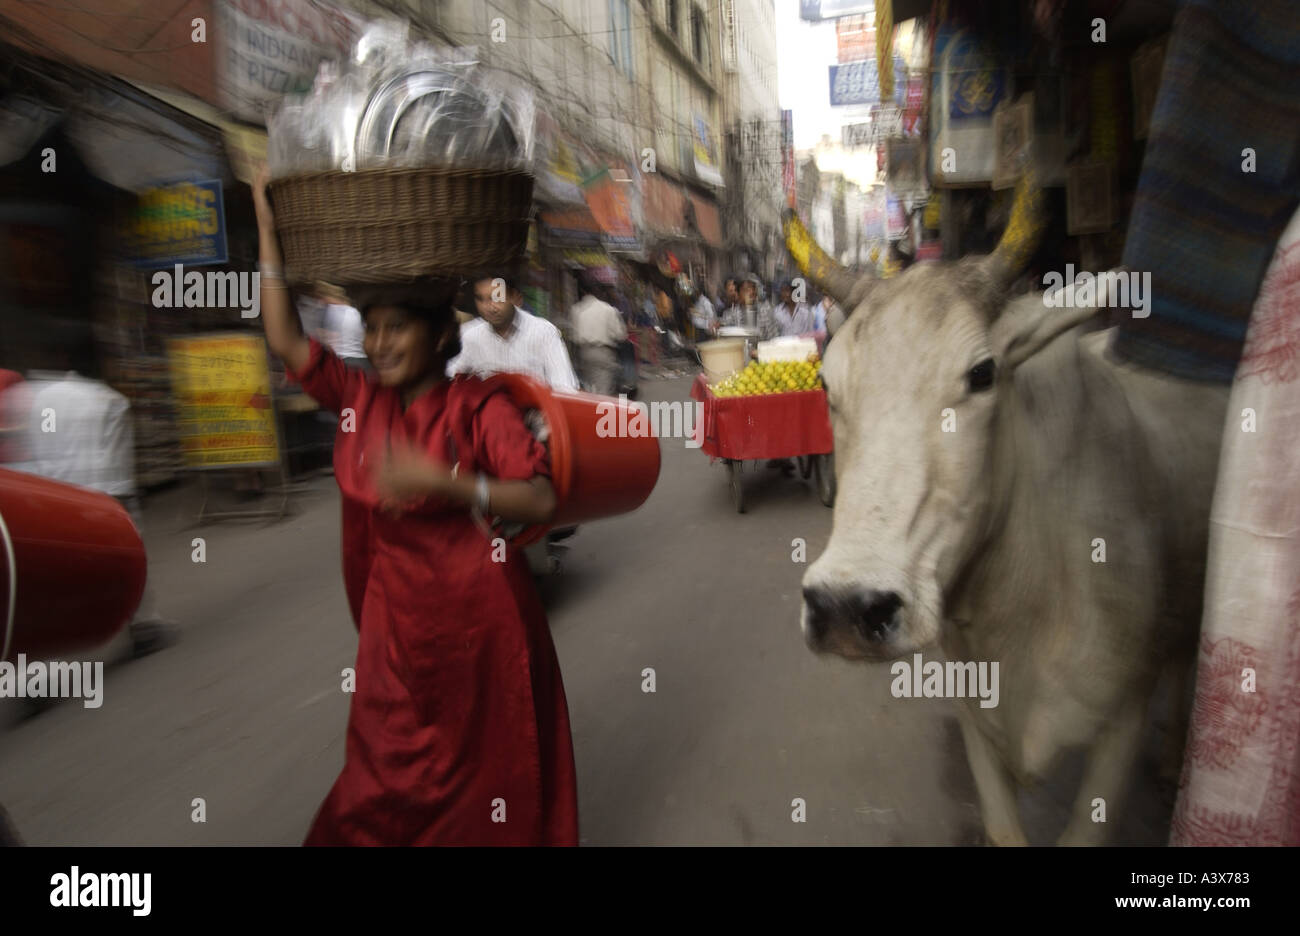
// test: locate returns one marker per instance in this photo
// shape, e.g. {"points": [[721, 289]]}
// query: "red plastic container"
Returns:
{"points": [[593, 476], [78, 561]]}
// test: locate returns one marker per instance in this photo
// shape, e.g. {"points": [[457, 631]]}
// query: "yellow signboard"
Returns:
{"points": [[224, 410]]}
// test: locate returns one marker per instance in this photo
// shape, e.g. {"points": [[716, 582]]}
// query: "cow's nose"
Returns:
{"points": [[820, 607], [877, 614]]}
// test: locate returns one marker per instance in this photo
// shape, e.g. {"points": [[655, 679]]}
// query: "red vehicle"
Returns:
{"points": [[72, 566], [72, 572]]}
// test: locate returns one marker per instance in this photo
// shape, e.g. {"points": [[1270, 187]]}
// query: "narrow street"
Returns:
{"points": [[246, 710]]}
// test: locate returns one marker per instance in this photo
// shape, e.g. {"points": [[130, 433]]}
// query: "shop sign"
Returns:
{"points": [[787, 156], [730, 57], [977, 83], [222, 391], [596, 263], [887, 122], [183, 223], [571, 227], [873, 213], [859, 134], [815, 11], [559, 171], [859, 82], [706, 158], [610, 202], [270, 48], [855, 39], [897, 217], [913, 109]]}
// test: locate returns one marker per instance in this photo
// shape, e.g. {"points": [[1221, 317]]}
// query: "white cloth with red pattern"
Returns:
{"points": [[1241, 776]]}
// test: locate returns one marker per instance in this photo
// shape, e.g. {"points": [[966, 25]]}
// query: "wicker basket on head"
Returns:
{"points": [[388, 225]]}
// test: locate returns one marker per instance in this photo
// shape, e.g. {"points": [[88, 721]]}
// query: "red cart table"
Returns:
{"points": [[770, 425]]}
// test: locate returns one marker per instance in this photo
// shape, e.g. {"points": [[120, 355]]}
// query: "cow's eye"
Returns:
{"points": [[980, 377]]}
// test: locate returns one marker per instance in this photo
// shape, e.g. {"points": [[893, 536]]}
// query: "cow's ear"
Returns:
{"points": [[1029, 323]]}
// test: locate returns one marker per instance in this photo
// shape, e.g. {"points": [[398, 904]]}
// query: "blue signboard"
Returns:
{"points": [[978, 83], [183, 223], [858, 83], [814, 11]]}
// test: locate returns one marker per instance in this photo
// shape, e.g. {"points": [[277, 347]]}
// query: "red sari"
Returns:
{"points": [[459, 719]]}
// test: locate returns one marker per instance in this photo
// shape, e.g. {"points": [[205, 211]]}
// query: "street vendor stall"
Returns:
{"points": [[744, 421]]}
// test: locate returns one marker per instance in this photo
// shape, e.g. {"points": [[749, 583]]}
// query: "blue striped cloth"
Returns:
{"points": [[1203, 227]]}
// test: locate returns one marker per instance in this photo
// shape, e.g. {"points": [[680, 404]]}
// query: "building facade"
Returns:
{"points": [[753, 121]]}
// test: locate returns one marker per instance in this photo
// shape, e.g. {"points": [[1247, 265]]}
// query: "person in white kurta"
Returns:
{"points": [[80, 432]]}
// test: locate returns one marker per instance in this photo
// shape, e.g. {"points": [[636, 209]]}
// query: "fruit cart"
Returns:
{"points": [[752, 428]]}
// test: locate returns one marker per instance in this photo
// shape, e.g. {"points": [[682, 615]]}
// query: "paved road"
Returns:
{"points": [[246, 711]]}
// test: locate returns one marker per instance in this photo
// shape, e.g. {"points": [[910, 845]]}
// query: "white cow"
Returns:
{"points": [[983, 539]]}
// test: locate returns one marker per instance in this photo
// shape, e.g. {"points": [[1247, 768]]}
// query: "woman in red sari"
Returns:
{"points": [[459, 730]]}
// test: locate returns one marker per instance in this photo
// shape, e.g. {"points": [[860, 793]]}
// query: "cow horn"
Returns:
{"points": [[1023, 232], [846, 287]]}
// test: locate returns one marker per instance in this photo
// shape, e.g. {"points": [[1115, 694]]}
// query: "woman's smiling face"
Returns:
{"points": [[399, 345]]}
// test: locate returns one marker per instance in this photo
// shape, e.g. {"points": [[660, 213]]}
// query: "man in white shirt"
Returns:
{"points": [[506, 339], [822, 311], [599, 331], [346, 333], [80, 432], [795, 318], [703, 316], [328, 317], [751, 313]]}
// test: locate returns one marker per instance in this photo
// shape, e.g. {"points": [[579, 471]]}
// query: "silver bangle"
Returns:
{"points": [[481, 497], [270, 269]]}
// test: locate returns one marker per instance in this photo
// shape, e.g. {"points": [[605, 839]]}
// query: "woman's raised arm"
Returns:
{"points": [[279, 318]]}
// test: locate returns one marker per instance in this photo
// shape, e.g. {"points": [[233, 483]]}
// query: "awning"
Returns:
{"points": [[673, 213], [23, 121], [121, 137], [139, 41], [707, 221], [598, 264], [572, 227], [245, 146], [664, 205]]}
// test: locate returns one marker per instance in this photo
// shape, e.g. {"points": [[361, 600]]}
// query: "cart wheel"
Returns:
{"points": [[824, 465], [805, 463], [737, 489]]}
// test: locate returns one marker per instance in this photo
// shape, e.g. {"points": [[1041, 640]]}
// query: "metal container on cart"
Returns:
{"points": [[750, 335]]}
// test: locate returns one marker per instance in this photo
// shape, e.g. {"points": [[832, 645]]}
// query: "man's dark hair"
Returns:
{"points": [[508, 277], [588, 287]]}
